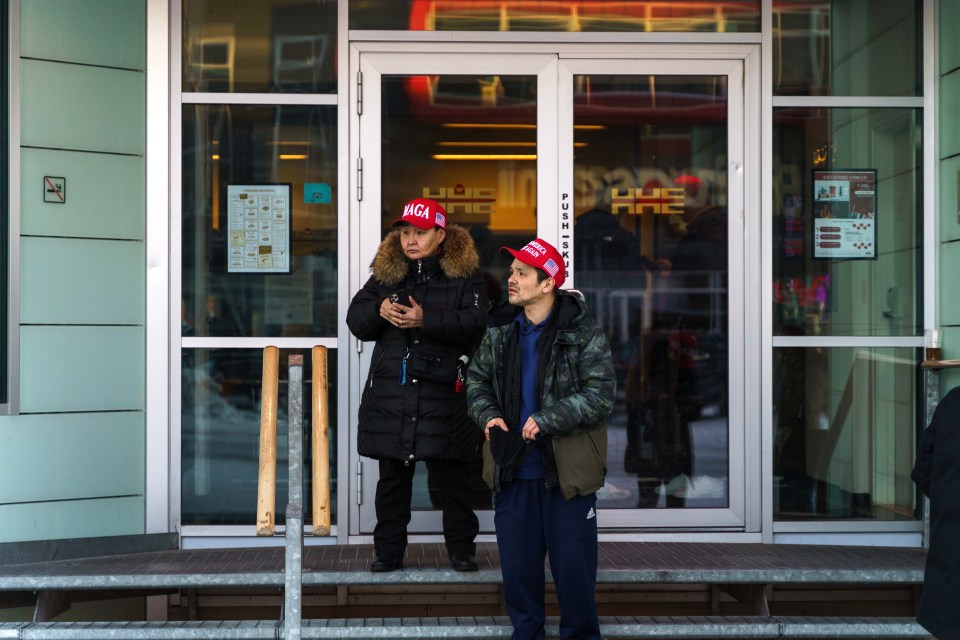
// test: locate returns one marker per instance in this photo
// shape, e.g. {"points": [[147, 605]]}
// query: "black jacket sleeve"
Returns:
{"points": [[363, 315], [923, 467]]}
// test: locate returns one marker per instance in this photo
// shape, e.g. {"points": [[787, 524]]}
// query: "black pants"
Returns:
{"points": [[394, 492]]}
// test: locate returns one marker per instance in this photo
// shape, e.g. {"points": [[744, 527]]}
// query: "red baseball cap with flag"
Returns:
{"points": [[423, 213], [541, 254]]}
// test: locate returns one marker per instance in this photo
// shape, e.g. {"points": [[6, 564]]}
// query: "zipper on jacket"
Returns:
{"points": [[419, 267], [374, 366]]}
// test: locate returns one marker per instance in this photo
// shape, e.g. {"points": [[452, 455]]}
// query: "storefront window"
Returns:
{"points": [[220, 436], [714, 16], [259, 271], [268, 46], [847, 222], [844, 432], [847, 47]]}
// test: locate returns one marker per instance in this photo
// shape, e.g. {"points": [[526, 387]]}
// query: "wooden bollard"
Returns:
{"points": [[267, 484], [321, 444]]}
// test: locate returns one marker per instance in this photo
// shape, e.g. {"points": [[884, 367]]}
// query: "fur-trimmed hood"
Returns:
{"points": [[458, 257]]}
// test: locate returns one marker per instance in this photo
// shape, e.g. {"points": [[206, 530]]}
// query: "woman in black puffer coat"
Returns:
{"points": [[425, 306]]}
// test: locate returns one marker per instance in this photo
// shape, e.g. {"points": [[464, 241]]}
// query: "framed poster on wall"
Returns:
{"points": [[845, 214], [258, 228]]}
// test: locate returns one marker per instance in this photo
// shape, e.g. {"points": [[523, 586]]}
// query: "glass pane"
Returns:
{"points": [[875, 292], [468, 142], [275, 46], [844, 433], [4, 228], [714, 16], [220, 435], [847, 47], [650, 240], [238, 145]]}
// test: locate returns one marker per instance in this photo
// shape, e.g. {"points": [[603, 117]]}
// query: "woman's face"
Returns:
{"points": [[420, 243]]}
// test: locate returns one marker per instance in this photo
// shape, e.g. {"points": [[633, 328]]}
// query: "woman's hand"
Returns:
{"points": [[412, 315], [401, 316]]}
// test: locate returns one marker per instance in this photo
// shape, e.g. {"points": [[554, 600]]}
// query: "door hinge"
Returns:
{"points": [[359, 481], [359, 93], [359, 179]]}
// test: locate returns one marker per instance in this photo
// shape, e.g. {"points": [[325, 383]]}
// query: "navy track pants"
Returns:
{"points": [[533, 522]]}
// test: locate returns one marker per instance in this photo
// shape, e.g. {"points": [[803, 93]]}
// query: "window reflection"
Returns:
{"points": [[276, 46], [821, 296], [468, 142], [713, 16], [847, 48], [844, 433], [650, 240], [236, 145], [220, 435]]}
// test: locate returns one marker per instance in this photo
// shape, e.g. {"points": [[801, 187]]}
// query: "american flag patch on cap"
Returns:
{"points": [[551, 267]]}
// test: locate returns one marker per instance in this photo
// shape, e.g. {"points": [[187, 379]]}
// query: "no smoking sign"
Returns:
{"points": [[54, 189]]}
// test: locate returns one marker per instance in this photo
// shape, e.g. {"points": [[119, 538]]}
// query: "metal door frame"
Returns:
{"points": [[555, 64]]}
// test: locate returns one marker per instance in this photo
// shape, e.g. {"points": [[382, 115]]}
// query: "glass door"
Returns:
{"points": [[651, 212], [473, 132], [635, 168]]}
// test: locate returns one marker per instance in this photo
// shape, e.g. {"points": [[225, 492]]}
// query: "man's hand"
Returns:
{"points": [[530, 429], [494, 422]]}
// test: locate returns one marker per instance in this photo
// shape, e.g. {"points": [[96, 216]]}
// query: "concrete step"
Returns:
{"points": [[473, 627]]}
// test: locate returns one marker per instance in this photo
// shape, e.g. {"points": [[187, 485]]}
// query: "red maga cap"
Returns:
{"points": [[541, 254], [424, 213]]}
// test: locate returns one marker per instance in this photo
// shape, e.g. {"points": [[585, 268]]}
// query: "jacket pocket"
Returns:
{"points": [[431, 367]]}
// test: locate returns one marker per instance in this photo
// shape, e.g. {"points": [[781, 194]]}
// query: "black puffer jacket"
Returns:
{"points": [[417, 418], [937, 473]]}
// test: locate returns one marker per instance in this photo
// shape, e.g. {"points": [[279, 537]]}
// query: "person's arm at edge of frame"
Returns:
{"points": [[923, 465], [580, 411]]}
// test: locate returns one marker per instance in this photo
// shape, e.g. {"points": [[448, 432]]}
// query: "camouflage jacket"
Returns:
{"points": [[577, 386]]}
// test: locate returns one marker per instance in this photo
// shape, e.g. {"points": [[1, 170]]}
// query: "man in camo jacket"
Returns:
{"points": [[541, 386]]}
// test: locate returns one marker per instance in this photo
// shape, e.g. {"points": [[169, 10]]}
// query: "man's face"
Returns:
{"points": [[522, 287], [420, 243]]}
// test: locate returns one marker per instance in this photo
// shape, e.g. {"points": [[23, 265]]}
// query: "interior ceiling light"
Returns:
{"points": [[486, 144], [486, 125], [484, 156], [293, 156], [453, 143]]}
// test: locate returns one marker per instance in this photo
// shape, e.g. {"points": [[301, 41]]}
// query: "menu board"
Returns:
{"points": [[844, 214], [258, 228]]}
